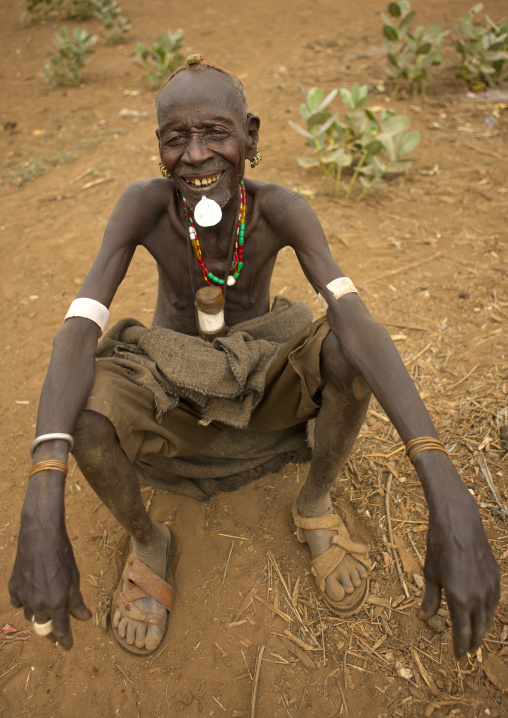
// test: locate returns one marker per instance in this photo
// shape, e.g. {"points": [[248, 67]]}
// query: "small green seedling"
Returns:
{"points": [[483, 51], [71, 55], [36, 12], [79, 9], [412, 54], [161, 58], [368, 145], [115, 27], [37, 166]]}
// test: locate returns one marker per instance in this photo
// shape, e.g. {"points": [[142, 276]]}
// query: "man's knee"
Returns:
{"points": [[93, 432], [339, 374]]}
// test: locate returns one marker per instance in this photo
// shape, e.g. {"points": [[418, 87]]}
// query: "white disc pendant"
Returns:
{"points": [[231, 280], [207, 212]]}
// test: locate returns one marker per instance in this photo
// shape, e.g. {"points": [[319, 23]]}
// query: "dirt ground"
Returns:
{"points": [[429, 255]]}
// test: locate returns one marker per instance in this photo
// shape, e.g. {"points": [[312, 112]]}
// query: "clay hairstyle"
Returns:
{"points": [[195, 63]]}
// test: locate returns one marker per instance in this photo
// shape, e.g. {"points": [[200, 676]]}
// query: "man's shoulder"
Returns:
{"points": [[275, 201], [268, 190], [273, 198], [154, 192]]}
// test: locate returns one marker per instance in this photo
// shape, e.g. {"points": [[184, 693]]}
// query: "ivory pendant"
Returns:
{"points": [[207, 213]]}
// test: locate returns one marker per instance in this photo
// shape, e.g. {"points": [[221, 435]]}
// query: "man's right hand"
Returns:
{"points": [[45, 578]]}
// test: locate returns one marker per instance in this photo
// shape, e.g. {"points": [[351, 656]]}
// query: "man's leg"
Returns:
{"points": [[111, 475], [344, 405]]}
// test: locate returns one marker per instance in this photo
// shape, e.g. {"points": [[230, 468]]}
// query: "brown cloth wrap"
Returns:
{"points": [[196, 417]]}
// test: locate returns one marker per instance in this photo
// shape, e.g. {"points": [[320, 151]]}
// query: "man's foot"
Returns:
{"points": [[339, 565], [143, 598]]}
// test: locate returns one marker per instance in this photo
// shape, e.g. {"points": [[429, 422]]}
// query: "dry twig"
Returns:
{"points": [[255, 684]]}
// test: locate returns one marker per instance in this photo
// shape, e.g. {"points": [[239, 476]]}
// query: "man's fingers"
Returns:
{"points": [[479, 629], [15, 602], [77, 606], [461, 632], [481, 621], [62, 629], [431, 600]]}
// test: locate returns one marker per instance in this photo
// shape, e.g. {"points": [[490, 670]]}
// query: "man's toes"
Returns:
{"points": [[362, 571], [122, 627], [346, 582], [355, 579], [141, 635], [117, 618], [130, 636], [153, 638], [334, 589]]}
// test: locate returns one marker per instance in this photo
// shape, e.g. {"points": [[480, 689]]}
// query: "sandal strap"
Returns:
{"points": [[145, 578], [137, 614], [350, 546], [132, 593], [327, 521]]}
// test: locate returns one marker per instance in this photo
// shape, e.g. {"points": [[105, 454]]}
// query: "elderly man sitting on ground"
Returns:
{"points": [[220, 389]]}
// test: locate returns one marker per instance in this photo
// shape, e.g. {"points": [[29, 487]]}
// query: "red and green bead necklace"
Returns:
{"points": [[210, 277]]}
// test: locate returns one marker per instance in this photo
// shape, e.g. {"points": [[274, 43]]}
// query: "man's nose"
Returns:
{"points": [[197, 151]]}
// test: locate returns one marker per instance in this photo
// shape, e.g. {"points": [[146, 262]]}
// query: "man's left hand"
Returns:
{"points": [[459, 559]]}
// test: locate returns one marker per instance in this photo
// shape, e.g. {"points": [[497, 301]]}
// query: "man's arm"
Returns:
{"points": [[459, 559], [45, 580]]}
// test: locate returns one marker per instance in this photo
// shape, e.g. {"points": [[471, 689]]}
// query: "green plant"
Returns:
{"points": [[412, 54], [79, 9], [483, 50], [38, 166], [71, 55], [36, 11], [107, 11], [368, 144], [161, 58]]}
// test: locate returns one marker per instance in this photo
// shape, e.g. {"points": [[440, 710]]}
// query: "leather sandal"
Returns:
{"points": [[142, 582], [322, 566]]}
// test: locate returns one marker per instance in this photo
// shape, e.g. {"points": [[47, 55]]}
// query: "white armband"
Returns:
{"points": [[338, 287], [89, 309]]}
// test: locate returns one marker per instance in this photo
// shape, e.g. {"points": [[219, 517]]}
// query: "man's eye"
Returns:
{"points": [[218, 133], [175, 140]]}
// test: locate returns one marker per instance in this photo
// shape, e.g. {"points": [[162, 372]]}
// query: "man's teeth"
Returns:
{"points": [[202, 182]]}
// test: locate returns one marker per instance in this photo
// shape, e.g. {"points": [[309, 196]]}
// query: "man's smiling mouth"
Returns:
{"points": [[202, 181]]}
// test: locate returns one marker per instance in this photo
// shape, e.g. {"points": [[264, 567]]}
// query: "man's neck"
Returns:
{"points": [[218, 237]]}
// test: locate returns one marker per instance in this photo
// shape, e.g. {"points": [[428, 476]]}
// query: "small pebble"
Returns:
{"points": [[437, 624]]}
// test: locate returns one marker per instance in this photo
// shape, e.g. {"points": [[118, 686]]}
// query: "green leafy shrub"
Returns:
{"points": [[79, 9], [368, 144], [483, 50], [36, 12], [162, 58], [412, 54], [71, 55], [115, 27]]}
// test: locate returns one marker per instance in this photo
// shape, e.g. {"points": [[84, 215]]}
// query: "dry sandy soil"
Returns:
{"points": [[429, 254]]}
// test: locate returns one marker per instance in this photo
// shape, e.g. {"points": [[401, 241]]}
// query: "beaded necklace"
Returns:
{"points": [[210, 278]]}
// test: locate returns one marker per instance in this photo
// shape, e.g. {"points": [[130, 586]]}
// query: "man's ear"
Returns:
{"points": [[158, 133], [253, 123]]}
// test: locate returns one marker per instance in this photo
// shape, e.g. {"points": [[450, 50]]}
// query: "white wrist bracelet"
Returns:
{"points": [[89, 309], [51, 437], [338, 287]]}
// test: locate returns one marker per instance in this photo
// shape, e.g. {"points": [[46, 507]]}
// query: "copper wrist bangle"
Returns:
{"points": [[423, 443], [49, 465]]}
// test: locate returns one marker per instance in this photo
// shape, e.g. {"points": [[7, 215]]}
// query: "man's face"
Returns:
{"points": [[203, 136]]}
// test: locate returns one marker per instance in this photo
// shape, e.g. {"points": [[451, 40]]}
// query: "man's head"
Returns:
{"points": [[205, 132]]}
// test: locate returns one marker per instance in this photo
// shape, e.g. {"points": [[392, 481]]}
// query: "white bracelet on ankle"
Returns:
{"points": [[51, 437]]}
